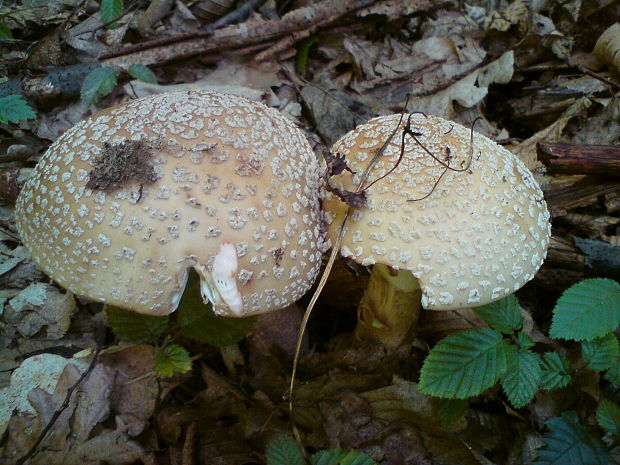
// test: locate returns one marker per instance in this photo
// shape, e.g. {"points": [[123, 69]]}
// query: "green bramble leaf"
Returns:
{"points": [[613, 374], [282, 449], [587, 310], [110, 10], [5, 32], [142, 73], [198, 322], [602, 353], [522, 378], [503, 315], [524, 341], [608, 417], [172, 359], [555, 371], [97, 84], [340, 457], [568, 442], [134, 327], [15, 108], [449, 410], [464, 364]]}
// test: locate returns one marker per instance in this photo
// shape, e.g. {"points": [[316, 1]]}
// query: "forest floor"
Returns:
{"points": [[521, 72]]}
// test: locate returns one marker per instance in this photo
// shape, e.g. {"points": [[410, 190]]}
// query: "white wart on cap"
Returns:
{"points": [[476, 236], [125, 202]]}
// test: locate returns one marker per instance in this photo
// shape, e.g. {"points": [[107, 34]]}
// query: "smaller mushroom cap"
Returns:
{"points": [[470, 236], [125, 202]]}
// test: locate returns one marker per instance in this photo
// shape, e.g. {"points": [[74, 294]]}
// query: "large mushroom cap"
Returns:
{"points": [[127, 200], [470, 236]]}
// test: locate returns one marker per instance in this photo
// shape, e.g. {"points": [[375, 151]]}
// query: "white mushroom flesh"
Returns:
{"points": [[228, 170], [223, 272], [480, 235]]}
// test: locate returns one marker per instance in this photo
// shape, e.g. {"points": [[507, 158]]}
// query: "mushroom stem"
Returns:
{"points": [[389, 309]]}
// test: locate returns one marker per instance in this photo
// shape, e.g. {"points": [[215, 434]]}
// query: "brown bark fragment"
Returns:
{"points": [[601, 160]]}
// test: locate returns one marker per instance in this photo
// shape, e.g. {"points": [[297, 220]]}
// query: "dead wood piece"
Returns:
{"points": [[562, 253], [282, 45], [250, 32], [602, 160], [612, 202], [557, 280], [58, 83], [589, 225], [584, 192], [602, 257]]}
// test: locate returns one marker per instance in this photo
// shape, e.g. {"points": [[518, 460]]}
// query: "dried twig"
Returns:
{"points": [[603, 160], [230, 37], [326, 271], [589, 72]]}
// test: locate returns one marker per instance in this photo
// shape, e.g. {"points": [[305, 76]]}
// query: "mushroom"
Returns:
{"points": [[452, 220], [125, 202]]}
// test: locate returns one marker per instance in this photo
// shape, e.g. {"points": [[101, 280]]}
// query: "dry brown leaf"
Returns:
{"points": [[71, 438], [526, 150], [41, 305], [516, 13], [135, 387], [468, 91], [607, 47], [41, 372], [334, 112], [232, 75]]}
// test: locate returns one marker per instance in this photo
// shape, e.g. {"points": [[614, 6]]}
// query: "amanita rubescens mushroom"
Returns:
{"points": [[465, 235], [125, 202]]}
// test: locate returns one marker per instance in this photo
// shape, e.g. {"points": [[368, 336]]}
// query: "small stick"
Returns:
{"points": [[603, 160], [589, 72], [325, 275]]}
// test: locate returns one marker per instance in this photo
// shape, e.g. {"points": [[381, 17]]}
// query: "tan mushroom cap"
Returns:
{"points": [[236, 184], [480, 235]]}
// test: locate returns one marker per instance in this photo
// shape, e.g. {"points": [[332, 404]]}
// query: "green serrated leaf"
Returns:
{"points": [[5, 32], [15, 108], [172, 359], [142, 73], [110, 10], [450, 410], [282, 449], [340, 457], [525, 341], [568, 442], [503, 315], [608, 416], [601, 353], [522, 378], [356, 458], [327, 457], [587, 310], [555, 371], [464, 364], [98, 83], [613, 373], [134, 327], [197, 320]]}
